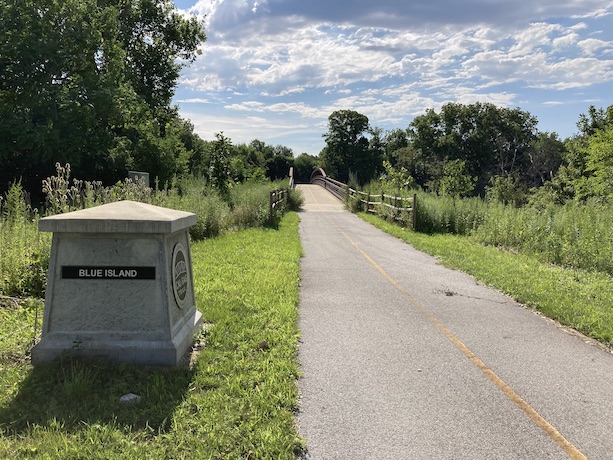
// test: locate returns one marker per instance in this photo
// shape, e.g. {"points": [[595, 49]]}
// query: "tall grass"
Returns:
{"points": [[575, 235], [24, 252]]}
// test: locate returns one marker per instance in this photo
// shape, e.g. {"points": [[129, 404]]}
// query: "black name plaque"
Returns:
{"points": [[82, 272]]}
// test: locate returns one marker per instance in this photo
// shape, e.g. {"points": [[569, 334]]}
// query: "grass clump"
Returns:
{"points": [[24, 252], [236, 400], [576, 298]]}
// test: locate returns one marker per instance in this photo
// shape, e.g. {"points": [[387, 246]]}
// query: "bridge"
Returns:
{"points": [[403, 358]]}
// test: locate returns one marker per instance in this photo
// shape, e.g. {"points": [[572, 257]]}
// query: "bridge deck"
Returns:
{"points": [[405, 359]]}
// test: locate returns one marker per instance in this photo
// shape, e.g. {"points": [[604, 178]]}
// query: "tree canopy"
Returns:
{"points": [[90, 82], [493, 141], [348, 150]]}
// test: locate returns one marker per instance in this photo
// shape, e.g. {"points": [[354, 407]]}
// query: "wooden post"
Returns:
{"points": [[414, 211], [271, 207]]}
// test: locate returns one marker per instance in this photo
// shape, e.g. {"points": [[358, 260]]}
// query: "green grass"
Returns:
{"points": [[579, 299], [237, 400]]}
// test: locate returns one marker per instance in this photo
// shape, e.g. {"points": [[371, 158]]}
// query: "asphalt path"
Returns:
{"points": [[403, 358]]}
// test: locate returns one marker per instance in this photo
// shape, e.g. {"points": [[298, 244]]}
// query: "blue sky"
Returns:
{"points": [[274, 70]]}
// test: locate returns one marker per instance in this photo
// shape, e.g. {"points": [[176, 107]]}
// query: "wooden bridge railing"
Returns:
{"points": [[278, 198], [371, 203]]}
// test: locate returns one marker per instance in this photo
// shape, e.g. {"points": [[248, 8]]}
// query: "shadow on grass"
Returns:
{"points": [[75, 392]]}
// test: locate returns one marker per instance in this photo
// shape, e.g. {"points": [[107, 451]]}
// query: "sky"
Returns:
{"points": [[274, 70]]}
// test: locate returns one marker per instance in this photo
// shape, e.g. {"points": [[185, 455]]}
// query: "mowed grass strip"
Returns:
{"points": [[237, 400], [578, 299]]}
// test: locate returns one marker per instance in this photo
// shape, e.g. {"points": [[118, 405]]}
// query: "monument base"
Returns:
{"points": [[126, 350]]}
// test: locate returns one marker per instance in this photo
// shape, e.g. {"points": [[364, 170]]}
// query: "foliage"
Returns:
{"points": [[61, 196], [237, 398], [599, 165], [348, 149], [574, 235], [24, 252], [90, 83], [455, 181], [505, 190], [395, 179], [491, 140], [219, 167], [304, 165], [585, 165], [444, 214], [295, 200], [595, 120], [546, 155]]}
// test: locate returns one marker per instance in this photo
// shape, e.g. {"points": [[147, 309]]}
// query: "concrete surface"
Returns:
{"points": [[405, 359]]}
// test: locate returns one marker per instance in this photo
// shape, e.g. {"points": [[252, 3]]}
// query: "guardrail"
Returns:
{"points": [[372, 203], [338, 189], [277, 198]]}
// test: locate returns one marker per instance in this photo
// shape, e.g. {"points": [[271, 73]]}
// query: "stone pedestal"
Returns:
{"points": [[120, 285]]}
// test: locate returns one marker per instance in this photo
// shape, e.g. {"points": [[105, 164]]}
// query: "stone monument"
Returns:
{"points": [[120, 285]]}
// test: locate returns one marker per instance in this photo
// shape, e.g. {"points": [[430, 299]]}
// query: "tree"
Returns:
{"points": [[219, 173], [304, 165], [394, 140], [455, 181], [277, 167], [493, 141], [600, 164], [595, 120], [90, 82], [545, 156], [348, 149]]}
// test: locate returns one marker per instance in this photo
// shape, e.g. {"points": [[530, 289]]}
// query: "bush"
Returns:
{"points": [[251, 202], [295, 200]]}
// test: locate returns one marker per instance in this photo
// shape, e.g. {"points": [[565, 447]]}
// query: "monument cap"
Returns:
{"points": [[119, 217]]}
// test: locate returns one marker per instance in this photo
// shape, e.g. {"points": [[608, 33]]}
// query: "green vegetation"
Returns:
{"points": [[24, 252], [577, 298], [91, 83], [574, 235], [235, 400]]}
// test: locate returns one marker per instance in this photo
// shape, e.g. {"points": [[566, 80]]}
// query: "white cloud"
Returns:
{"points": [[293, 63], [591, 45], [195, 100], [565, 41]]}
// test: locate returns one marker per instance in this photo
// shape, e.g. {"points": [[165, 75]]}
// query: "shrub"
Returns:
{"points": [[295, 200]]}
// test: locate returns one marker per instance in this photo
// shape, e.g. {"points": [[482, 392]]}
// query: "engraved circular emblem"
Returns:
{"points": [[180, 278]]}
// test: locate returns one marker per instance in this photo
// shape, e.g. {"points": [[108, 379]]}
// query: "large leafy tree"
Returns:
{"points": [[600, 164], [90, 82], [493, 141], [586, 163], [348, 148]]}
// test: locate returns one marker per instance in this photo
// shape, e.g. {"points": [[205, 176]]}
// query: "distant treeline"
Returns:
{"points": [[477, 150], [91, 84]]}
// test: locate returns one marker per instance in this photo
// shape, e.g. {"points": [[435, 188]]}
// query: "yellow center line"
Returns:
{"points": [[549, 429]]}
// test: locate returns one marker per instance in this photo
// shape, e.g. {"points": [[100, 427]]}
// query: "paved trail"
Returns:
{"points": [[405, 359]]}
